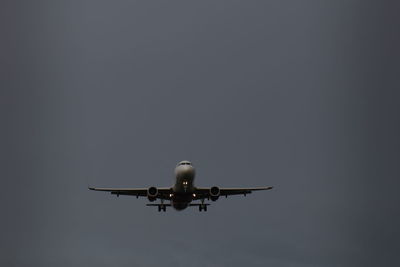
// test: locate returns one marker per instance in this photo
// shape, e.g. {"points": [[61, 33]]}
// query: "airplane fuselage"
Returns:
{"points": [[183, 188]]}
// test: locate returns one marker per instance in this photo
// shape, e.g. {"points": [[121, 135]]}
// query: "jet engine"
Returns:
{"points": [[214, 193], [152, 193]]}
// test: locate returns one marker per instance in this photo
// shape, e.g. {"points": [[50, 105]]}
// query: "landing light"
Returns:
{"points": [[194, 195], [170, 195]]}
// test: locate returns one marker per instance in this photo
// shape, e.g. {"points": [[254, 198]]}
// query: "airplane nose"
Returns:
{"points": [[185, 171]]}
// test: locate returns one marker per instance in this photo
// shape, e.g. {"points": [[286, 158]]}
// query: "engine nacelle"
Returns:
{"points": [[152, 193], [214, 193]]}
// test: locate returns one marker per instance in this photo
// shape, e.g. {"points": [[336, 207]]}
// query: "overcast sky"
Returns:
{"points": [[300, 95]]}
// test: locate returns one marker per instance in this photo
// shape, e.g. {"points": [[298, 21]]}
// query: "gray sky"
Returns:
{"points": [[301, 95]]}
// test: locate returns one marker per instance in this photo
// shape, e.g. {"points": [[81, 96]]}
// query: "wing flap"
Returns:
{"points": [[163, 192], [241, 191], [202, 192]]}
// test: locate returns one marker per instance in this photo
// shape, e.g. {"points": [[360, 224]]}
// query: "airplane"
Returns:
{"points": [[183, 192]]}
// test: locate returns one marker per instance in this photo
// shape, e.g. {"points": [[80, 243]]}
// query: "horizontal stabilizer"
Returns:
{"points": [[158, 205]]}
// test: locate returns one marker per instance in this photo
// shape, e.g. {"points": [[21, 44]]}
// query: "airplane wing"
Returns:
{"points": [[202, 192], [163, 192]]}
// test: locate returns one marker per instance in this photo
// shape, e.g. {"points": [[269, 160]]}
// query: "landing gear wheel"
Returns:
{"points": [[164, 208], [159, 208], [202, 207]]}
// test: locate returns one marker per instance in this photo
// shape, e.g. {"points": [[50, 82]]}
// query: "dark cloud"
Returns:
{"points": [[299, 95]]}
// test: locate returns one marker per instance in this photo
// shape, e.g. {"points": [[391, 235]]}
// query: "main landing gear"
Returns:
{"points": [[202, 206], [162, 207]]}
